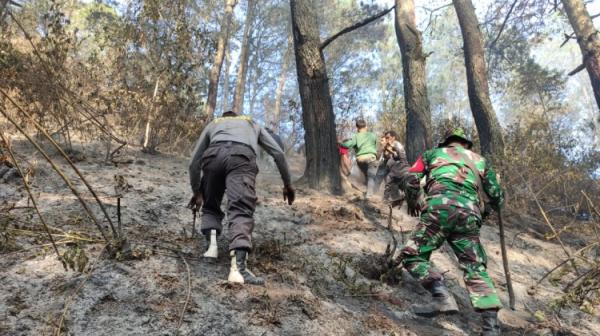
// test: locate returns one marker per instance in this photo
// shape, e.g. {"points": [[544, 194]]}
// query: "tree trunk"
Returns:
{"points": [[225, 104], [322, 158], [3, 4], [240, 83], [418, 114], [276, 118], [589, 42], [215, 71], [490, 133]]}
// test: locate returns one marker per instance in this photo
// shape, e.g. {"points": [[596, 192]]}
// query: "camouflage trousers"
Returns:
{"points": [[458, 226]]}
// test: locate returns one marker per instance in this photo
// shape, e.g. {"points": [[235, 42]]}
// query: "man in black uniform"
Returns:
{"points": [[224, 161]]}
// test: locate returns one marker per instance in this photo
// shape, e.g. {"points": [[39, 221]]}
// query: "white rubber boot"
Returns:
{"points": [[234, 273], [239, 272], [213, 248]]}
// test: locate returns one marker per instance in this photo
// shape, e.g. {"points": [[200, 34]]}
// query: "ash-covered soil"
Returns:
{"points": [[322, 258]]}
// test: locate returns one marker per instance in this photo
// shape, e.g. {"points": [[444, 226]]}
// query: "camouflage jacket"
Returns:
{"points": [[451, 180]]}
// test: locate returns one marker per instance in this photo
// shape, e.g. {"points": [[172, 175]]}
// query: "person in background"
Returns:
{"points": [[364, 144], [392, 153]]}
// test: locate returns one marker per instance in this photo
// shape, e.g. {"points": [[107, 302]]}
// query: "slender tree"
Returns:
{"points": [[225, 104], [240, 83], [589, 42], [276, 118], [490, 134], [215, 71], [418, 121]]}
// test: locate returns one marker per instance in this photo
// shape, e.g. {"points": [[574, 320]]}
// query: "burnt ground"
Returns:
{"points": [[322, 258]]}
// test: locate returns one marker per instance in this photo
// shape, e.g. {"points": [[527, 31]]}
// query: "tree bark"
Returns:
{"points": [[322, 158], [490, 133], [215, 71], [418, 118], [147, 145], [240, 83], [276, 118], [587, 38]]}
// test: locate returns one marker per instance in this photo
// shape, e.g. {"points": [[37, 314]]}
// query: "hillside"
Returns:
{"points": [[320, 258]]}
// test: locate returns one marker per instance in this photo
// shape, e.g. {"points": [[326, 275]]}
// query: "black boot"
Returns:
{"points": [[490, 325], [438, 289], [239, 273], [442, 303]]}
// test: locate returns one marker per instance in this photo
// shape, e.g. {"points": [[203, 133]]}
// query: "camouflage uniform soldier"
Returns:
{"points": [[456, 181]]}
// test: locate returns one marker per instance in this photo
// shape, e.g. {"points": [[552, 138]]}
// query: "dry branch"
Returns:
{"points": [[576, 70], [354, 27], [33, 200], [537, 202], [66, 157], [575, 255], [72, 95], [512, 6]]}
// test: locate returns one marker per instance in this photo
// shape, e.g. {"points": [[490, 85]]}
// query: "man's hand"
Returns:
{"points": [[289, 194], [413, 206], [195, 203]]}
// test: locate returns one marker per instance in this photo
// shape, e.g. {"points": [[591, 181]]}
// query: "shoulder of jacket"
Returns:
{"points": [[243, 117]]}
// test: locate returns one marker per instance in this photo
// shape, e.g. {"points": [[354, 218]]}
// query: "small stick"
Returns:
{"points": [[119, 216], [394, 241], [189, 290], [194, 224], [509, 286]]}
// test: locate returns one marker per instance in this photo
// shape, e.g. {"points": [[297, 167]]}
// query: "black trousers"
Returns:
{"points": [[229, 167]]}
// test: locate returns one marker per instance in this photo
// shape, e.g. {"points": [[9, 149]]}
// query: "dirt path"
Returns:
{"points": [[316, 255]]}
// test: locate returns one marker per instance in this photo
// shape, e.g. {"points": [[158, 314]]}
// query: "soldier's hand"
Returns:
{"points": [[195, 203], [413, 211], [289, 194]]}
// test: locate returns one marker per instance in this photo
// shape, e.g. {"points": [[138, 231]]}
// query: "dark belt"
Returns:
{"points": [[232, 143]]}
